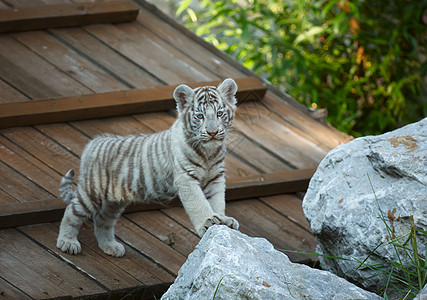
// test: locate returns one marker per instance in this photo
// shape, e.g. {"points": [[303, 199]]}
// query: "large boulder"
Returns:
{"points": [[422, 295], [347, 214], [242, 267]]}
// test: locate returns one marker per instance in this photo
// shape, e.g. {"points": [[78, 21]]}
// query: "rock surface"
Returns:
{"points": [[422, 295], [343, 211], [243, 267]]}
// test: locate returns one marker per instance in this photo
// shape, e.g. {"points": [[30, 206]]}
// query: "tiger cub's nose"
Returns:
{"points": [[212, 133]]}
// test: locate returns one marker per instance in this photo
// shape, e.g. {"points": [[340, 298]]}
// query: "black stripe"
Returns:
{"points": [[189, 174], [187, 121], [216, 152], [103, 164], [193, 176], [88, 182], [192, 161], [109, 171], [151, 157], [116, 149], [75, 212], [217, 163], [142, 188], [219, 160], [137, 154], [196, 149], [162, 154], [103, 160], [120, 164], [83, 205], [213, 179], [134, 145]]}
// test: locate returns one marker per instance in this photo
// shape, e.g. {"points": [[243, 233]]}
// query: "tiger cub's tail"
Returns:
{"points": [[66, 187]]}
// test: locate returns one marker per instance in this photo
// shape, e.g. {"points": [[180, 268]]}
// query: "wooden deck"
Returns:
{"points": [[274, 142]]}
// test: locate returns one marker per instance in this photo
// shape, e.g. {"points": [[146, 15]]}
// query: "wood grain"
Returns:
{"points": [[110, 272], [66, 15], [22, 261], [257, 219], [268, 184]]}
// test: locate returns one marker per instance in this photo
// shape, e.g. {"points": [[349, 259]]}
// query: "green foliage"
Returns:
{"points": [[365, 61], [411, 268], [401, 278]]}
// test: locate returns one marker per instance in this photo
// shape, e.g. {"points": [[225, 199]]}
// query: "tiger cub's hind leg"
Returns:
{"points": [[104, 223], [75, 215]]}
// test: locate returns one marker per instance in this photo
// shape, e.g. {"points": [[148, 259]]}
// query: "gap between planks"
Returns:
{"points": [[66, 15], [109, 104], [51, 210]]}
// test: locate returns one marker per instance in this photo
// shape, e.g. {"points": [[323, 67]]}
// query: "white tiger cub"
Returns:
{"points": [[187, 160]]}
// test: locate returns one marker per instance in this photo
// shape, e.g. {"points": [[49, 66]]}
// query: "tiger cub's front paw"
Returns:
{"points": [[71, 246], [230, 222], [218, 220]]}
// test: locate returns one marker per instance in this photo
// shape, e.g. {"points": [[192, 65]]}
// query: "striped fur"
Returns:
{"points": [[186, 160]]}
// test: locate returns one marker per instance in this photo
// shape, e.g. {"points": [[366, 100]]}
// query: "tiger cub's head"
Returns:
{"points": [[208, 111]]}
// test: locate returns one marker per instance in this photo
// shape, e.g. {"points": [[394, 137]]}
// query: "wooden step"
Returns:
{"points": [[51, 210], [66, 15], [109, 104]]}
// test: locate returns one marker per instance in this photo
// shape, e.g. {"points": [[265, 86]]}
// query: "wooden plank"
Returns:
{"points": [[25, 213], [22, 80], [152, 24], [111, 272], [267, 129], [257, 219], [70, 62], [6, 198], [8, 93], [32, 212], [103, 55], [254, 153], [166, 230], [66, 15], [19, 187], [32, 75], [142, 241], [65, 135], [13, 149], [290, 206], [165, 63], [43, 148], [10, 292], [25, 167], [107, 104], [326, 134], [118, 125], [268, 184], [22, 260]]}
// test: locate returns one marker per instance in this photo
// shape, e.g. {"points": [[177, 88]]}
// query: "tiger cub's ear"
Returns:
{"points": [[184, 96], [227, 89]]}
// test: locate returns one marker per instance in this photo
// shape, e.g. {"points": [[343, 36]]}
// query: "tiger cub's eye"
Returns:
{"points": [[199, 116], [219, 114]]}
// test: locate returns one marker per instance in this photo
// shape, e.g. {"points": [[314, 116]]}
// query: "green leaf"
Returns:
{"points": [[314, 31]]}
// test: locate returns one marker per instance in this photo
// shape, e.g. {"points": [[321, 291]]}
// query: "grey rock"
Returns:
{"points": [[344, 213], [422, 295], [243, 267]]}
